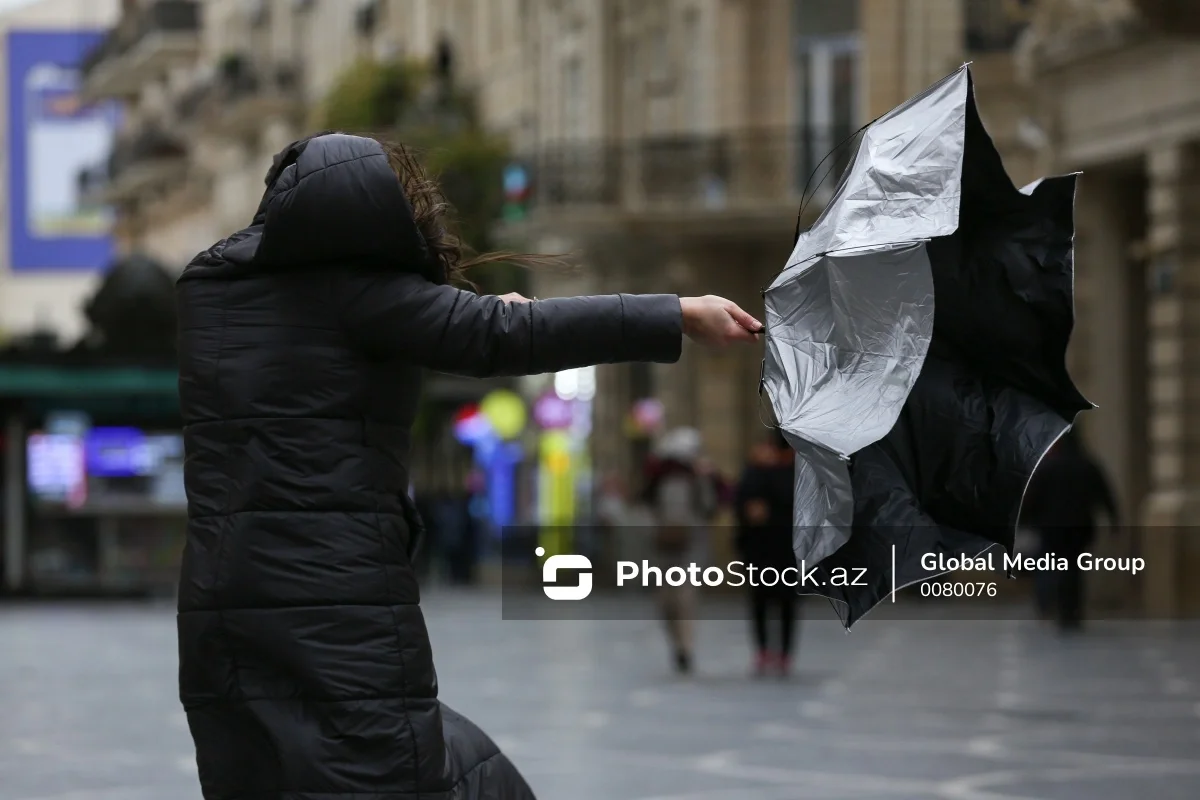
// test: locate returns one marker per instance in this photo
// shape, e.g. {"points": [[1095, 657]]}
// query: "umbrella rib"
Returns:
{"points": [[816, 256]]}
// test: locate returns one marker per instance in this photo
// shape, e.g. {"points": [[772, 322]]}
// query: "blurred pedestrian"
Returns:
{"points": [[763, 507], [611, 505], [423, 565], [457, 533], [1066, 496], [305, 664], [612, 517], [683, 495]]}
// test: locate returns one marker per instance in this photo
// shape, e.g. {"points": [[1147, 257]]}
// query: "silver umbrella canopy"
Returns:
{"points": [[916, 349]]}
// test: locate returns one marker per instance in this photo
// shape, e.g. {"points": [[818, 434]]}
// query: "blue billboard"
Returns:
{"points": [[53, 137]]}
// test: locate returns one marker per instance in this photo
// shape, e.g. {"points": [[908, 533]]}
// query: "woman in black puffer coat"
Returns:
{"points": [[305, 665]]}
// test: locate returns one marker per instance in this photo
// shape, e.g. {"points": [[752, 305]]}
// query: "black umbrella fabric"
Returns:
{"points": [[916, 351]]}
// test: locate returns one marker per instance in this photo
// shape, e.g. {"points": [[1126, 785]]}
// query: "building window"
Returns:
{"points": [[694, 89], [573, 101], [824, 17], [257, 13], [660, 55], [497, 29], [633, 72], [366, 17], [631, 122], [828, 79]]}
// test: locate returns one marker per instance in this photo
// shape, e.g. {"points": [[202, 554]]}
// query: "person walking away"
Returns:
{"points": [[305, 666], [611, 517], [763, 506], [682, 499], [1066, 495]]}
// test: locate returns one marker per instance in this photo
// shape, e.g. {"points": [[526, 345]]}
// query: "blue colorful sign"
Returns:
{"points": [[53, 137]]}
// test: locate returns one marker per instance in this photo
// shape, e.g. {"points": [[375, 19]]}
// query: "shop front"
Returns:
{"points": [[93, 480]]}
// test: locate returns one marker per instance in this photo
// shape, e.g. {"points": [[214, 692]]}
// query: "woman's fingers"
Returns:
{"points": [[716, 321], [737, 330], [514, 297], [744, 319], [745, 328]]}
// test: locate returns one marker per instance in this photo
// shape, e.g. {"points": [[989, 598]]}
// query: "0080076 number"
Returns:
{"points": [[957, 589]]}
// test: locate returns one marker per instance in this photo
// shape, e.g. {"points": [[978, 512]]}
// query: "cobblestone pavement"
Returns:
{"points": [[897, 710]]}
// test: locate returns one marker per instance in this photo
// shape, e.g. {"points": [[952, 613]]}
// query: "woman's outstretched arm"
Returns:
{"points": [[450, 330]]}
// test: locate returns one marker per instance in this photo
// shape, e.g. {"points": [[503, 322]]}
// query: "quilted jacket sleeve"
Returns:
{"points": [[449, 330]]}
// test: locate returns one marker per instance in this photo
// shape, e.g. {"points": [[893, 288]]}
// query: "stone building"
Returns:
{"points": [[673, 144], [212, 90], [1117, 99], [670, 146]]}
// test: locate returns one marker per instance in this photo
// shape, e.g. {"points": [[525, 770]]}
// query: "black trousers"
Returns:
{"points": [[1066, 590], [762, 600], [1070, 598]]}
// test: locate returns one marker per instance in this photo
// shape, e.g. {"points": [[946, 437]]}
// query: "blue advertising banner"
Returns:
{"points": [[53, 136]]}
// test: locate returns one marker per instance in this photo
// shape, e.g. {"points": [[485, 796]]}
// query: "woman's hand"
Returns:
{"points": [[513, 297], [716, 321]]}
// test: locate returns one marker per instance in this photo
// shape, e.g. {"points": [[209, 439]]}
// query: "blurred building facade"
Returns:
{"points": [[674, 142], [1116, 98], [668, 143], [671, 144]]}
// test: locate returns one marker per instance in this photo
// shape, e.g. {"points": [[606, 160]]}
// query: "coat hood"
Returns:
{"points": [[332, 200]]}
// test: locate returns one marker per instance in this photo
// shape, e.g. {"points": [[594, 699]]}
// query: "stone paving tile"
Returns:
{"points": [[897, 710]]}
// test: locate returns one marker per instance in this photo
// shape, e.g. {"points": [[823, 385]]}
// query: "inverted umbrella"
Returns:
{"points": [[916, 350]]}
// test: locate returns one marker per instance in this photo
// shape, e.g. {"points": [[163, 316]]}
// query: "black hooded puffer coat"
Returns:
{"points": [[305, 665]]}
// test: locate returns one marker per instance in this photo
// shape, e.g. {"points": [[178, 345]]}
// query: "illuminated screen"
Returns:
{"points": [[55, 466], [116, 453]]}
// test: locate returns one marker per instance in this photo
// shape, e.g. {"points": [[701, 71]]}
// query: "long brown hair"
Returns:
{"points": [[435, 220]]}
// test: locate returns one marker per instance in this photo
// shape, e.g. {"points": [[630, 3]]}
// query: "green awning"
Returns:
{"points": [[36, 381]]}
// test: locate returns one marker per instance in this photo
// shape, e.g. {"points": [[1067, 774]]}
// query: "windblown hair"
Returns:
{"points": [[434, 216]]}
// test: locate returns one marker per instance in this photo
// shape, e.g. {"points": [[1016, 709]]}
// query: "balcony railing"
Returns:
{"points": [[145, 42], [241, 95], [147, 158], [702, 173], [1095, 29]]}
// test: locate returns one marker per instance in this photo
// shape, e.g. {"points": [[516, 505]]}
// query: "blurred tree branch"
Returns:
{"points": [[415, 104]]}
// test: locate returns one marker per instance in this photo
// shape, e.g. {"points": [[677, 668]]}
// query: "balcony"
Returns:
{"points": [[145, 43], [1064, 35], [241, 96], [995, 25], [1178, 17], [695, 181], [141, 163]]}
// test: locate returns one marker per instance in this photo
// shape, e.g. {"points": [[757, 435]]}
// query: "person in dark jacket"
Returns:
{"points": [[763, 505], [1066, 495], [305, 665]]}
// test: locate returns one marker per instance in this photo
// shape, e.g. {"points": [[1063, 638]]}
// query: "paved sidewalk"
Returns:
{"points": [[897, 710]]}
